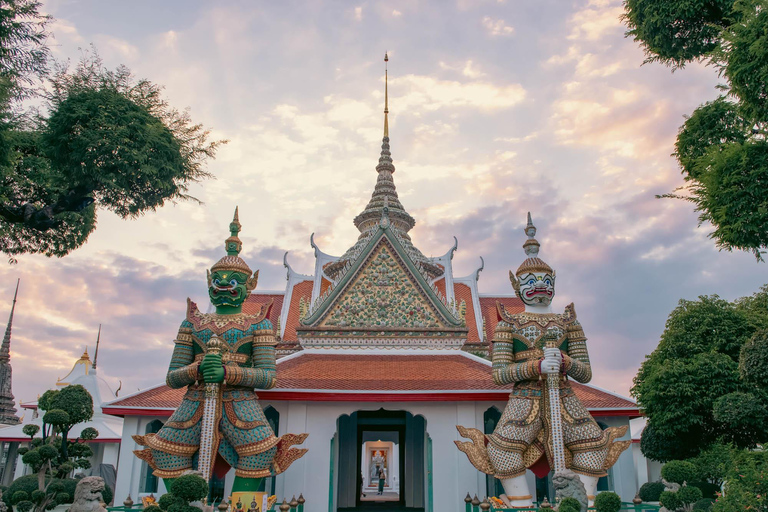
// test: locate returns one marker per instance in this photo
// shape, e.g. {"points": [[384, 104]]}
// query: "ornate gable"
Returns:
{"points": [[383, 294], [382, 300]]}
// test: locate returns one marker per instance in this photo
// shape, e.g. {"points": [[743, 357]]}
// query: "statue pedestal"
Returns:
{"points": [[243, 501]]}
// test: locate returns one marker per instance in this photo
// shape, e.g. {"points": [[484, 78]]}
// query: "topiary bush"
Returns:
{"points": [[569, 504], [190, 488], [679, 472], [689, 495], [670, 500], [651, 491], [704, 504], [607, 502]]}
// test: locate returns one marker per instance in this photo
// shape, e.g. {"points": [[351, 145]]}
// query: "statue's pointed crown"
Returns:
{"points": [[232, 261], [531, 247]]}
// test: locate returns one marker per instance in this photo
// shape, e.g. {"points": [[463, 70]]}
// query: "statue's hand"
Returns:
{"points": [[212, 368], [552, 361]]}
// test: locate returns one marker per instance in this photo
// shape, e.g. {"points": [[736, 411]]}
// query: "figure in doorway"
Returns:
{"points": [[377, 461], [382, 477]]}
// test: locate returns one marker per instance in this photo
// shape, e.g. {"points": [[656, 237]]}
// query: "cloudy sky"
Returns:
{"points": [[497, 108]]}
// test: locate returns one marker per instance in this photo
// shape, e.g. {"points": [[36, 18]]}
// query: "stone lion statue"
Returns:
{"points": [[569, 485], [88, 495]]}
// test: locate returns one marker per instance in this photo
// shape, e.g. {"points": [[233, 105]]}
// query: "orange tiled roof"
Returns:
{"points": [[464, 292], [344, 372], [256, 301], [302, 289], [488, 306]]}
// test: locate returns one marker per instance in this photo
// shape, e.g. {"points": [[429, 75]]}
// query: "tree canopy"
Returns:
{"points": [[721, 147], [104, 140], [703, 383]]}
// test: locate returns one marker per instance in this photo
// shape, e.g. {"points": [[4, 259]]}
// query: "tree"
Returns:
{"points": [[676, 32], [23, 52], [691, 387], [54, 456], [106, 141], [721, 148]]}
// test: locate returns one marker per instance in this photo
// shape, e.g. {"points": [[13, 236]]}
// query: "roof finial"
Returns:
{"points": [[233, 245], [96, 355], [5, 349], [386, 97], [531, 246]]}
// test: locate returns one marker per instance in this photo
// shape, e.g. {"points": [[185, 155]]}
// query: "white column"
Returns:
{"points": [[124, 484]]}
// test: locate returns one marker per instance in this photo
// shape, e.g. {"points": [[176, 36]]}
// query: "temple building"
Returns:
{"points": [[382, 352], [106, 447]]}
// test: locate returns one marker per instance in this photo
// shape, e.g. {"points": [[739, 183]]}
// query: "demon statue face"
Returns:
{"points": [[230, 280], [534, 280]]}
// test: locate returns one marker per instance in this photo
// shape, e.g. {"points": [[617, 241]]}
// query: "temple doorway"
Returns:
{"points": [[381, 461]]}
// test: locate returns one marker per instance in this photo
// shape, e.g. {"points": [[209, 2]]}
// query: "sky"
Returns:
{"points": [[497, 108]]}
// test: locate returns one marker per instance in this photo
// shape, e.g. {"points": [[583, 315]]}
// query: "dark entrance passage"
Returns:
{"points": [[390, 445]]}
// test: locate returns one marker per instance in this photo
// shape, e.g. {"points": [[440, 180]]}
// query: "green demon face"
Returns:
{"points": [[227, 288]]}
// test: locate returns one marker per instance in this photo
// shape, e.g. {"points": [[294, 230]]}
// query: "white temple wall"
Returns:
{"points": [[453, 475], [129, 466], [624, 477]]}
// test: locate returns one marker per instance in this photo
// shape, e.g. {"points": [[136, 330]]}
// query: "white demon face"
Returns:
{"points": [[536, 288]]}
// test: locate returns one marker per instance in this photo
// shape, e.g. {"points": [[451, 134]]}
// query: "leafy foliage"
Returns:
{"points": [[691, 387], [650, 491], [746, 486], [712, 464], [689, 495], [679, 472], [106, 140], [23, 52], [569, 504], [704, 504], [607, 502], [746, 417], [676, 32], [53, 457], [670, 500], [189, 488], [721, 148], [753, 359]]}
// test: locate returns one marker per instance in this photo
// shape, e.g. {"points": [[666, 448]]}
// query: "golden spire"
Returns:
{"points": [[386, 98]]}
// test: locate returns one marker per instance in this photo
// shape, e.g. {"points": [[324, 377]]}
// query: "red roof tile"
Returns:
{"points": [[488, 307], [464, 292], [378, 372], [256, 301], [302, 289]]}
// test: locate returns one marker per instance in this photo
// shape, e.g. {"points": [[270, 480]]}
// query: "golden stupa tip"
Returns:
{"points": [[386, 97]]}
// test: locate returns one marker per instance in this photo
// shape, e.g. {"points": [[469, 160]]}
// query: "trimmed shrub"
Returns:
{"points": [[679, 472], [704, 504], [651, 491], [190, 488], [670, 500], [570, 504], [607, 502], [689, 494]]}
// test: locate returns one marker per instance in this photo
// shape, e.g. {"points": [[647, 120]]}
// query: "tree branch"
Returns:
{"points": [[42, 218]]}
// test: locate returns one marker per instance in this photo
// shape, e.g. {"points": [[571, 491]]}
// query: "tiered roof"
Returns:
{"points": [[394, 375]]}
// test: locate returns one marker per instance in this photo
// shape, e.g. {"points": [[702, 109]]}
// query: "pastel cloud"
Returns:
{"points": [[541, 108]]}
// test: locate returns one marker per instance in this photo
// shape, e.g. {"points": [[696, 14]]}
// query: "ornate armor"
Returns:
{"points": [[244, 438]]}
